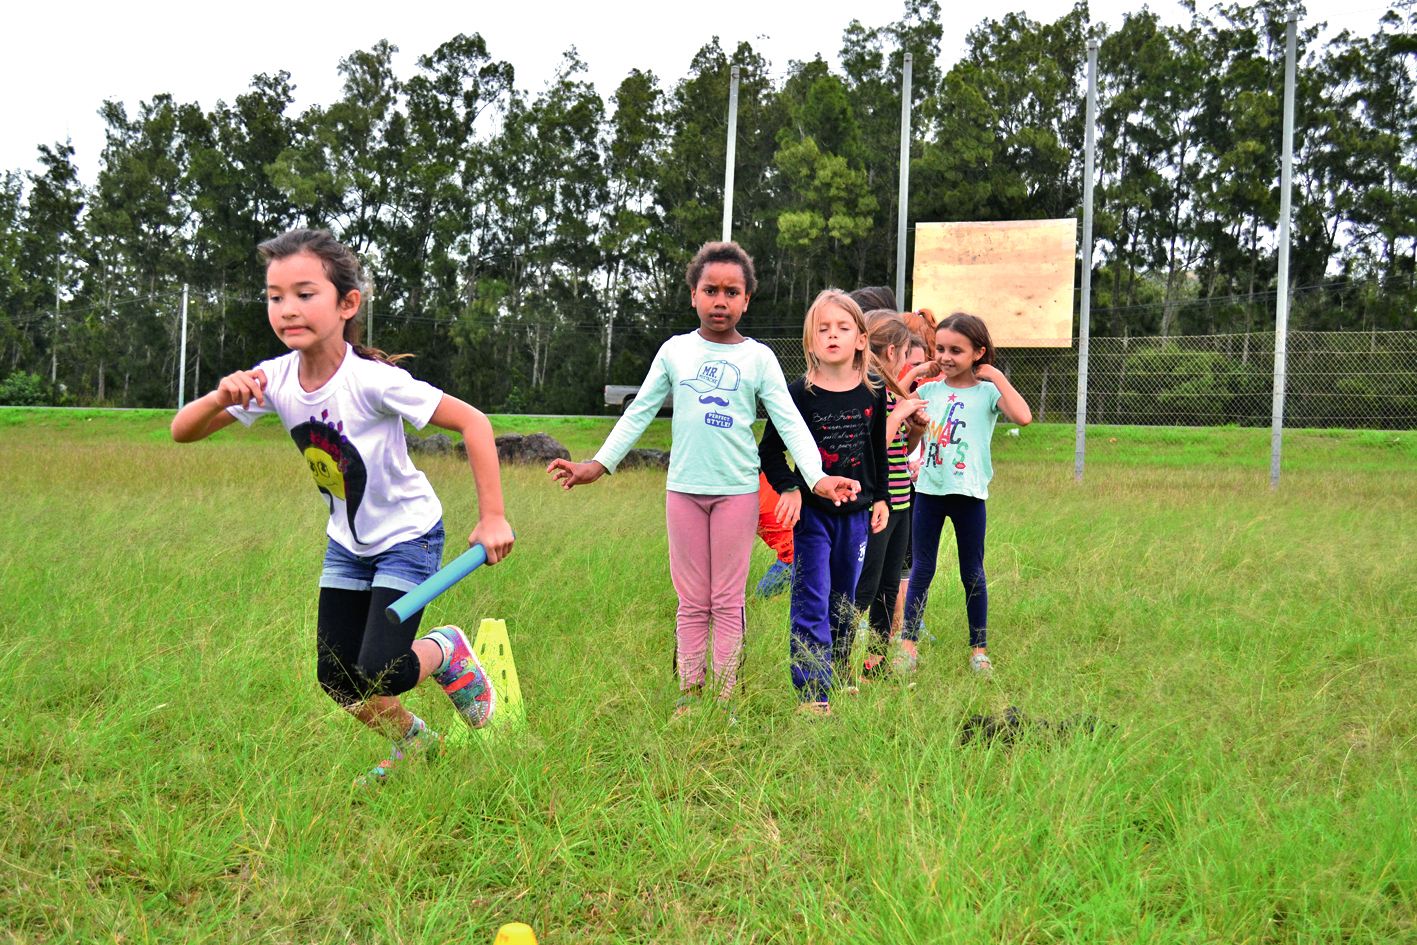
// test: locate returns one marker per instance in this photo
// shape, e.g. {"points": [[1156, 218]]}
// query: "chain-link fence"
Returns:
{"points": [[1335, 379]]}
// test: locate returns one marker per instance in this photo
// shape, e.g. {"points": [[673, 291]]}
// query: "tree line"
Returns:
{"points": [[529, 246]]}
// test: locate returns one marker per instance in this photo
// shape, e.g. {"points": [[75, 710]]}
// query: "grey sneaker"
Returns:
{"points": [[904, 661], [980, 665]]}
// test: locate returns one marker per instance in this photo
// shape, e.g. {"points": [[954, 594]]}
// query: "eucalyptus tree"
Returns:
{"points": [[690, 187], [1150, 158], [428, 234], [872, 60], [340, 170], [237, 205], [49, 254], [1385, 217], [541, 247], [1005, 134], [140, 225], [633, 242], [1240, 124], [13, 337]]}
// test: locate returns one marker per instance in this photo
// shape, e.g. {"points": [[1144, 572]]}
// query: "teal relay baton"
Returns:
{"points": [[446, 576]]}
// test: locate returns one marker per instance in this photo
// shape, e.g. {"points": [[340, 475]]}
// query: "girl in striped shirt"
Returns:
{"points": [[889, 339]]}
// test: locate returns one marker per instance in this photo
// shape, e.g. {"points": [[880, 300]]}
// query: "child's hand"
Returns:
{"points": [[921, 371], [914, 467], [241, 387], [880, 514], [496, 536], [987, 372], [570, 474], [837, 489], [789, 508], [903, 411]]}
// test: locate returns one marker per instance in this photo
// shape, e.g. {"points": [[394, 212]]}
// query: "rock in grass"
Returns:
{"points": [[438, 444], [534, 448], [1013, 724], [645, 459]]}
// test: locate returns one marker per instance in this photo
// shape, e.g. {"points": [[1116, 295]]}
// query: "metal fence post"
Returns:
{"points": [[1281, 309], [1085, 302], [732, 154], [182, 355], [903, 200]]}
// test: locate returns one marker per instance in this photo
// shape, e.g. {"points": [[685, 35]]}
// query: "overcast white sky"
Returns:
{"points": [[61, 60]]}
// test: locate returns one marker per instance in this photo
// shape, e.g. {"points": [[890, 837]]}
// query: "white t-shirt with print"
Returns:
{"points": [[350, 431]]}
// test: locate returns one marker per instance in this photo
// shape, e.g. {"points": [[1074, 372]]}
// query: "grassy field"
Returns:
{"points": [[172, 773]]}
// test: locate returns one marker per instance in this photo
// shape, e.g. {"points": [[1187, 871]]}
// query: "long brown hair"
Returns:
{"points": [[885, 328], [341, 267]]}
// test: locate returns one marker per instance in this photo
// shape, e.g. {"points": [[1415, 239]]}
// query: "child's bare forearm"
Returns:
{"points": [[476, 430], [206, 415], [486, 468], [200, 419]]}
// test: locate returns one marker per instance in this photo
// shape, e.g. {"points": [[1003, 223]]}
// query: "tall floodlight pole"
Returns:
{"points": [[1281, 308], [732, 149], [903, 200], [182, 355], [369, 323], [1085, 301]]}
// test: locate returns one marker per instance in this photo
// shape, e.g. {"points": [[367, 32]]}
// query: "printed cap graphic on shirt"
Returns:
{"points": [[715, 375]]}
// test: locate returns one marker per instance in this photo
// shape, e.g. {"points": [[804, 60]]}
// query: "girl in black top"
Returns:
{"points": [[845, 408]]}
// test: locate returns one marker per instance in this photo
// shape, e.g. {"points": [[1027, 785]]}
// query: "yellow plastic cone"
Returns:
{"points": [[515, 933], [494, 652]]}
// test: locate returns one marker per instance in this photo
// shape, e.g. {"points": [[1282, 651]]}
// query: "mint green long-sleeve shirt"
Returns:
{"points": [[716, 390]]}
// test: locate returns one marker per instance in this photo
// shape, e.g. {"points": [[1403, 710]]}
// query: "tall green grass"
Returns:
{"points": [[171, 772]]}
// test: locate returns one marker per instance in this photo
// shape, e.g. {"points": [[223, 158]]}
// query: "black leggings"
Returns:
{"points": [[879, 586], [927, 524], [359, 653]]}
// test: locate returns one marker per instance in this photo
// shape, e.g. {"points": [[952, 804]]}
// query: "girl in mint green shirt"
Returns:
{"points": [[717, 378], [964, 403]]}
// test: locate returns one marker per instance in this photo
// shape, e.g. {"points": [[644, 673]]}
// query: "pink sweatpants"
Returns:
{"points": [[710, 542]]}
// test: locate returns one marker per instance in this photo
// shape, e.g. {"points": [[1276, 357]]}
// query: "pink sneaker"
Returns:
{"points": [[463, 678]]}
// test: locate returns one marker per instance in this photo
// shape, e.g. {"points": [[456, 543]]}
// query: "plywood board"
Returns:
{"points": [[1017, 275]]}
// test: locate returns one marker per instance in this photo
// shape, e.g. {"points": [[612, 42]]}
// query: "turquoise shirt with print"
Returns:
{"points": [[716, 390], [962, 421]]}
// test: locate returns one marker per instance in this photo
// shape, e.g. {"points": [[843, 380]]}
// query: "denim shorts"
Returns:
{"points": [[402, 567]]}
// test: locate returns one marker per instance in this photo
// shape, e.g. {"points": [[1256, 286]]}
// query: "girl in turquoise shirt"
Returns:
{"points": [[963, 402]]}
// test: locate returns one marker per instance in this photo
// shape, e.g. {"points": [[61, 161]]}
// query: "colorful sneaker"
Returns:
{"points": [[422, 743], [463, 678], [777, 579]]}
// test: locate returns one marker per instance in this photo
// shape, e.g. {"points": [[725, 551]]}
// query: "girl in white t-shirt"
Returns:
{"points": [[345, 406]]}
